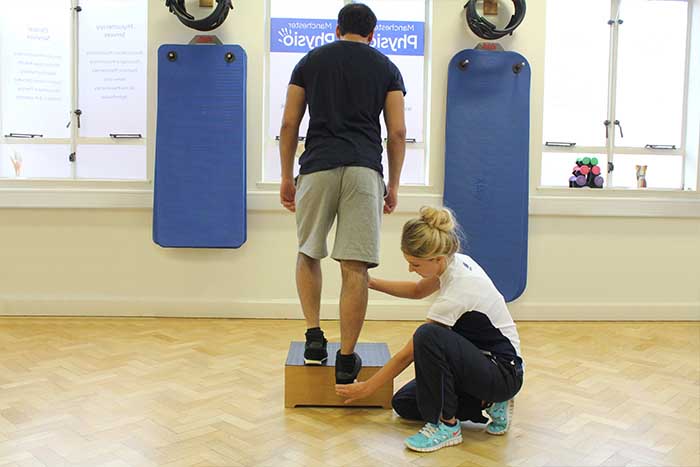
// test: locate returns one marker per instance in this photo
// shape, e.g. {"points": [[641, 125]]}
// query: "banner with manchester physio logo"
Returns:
{"points": [[402, 41], [302, 35]]}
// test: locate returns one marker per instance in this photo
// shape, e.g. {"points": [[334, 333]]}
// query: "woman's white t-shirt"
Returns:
{"points": [[468, 302]]}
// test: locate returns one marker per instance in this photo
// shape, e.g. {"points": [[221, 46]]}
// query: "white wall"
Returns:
{"points": [[103, 262]]}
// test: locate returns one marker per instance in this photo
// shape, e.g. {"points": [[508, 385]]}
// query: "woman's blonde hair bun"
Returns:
{"points": [[434, 233], [440, 219]]}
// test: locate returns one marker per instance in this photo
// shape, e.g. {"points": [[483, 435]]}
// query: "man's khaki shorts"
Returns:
{"points": [[355, 195]]}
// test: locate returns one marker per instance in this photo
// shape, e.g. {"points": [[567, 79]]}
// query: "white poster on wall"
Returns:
{"points": [[113, 58], [297, 27], [401, 41], [35, 68]]}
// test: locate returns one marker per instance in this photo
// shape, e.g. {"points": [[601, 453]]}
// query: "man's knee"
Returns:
{"points": [[306, 261], [350, 267]]}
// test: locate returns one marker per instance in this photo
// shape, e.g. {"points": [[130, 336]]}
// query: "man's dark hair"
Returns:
{"points": [[356, 18]]}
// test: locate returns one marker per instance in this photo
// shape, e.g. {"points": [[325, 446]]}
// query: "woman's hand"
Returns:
{"points": [[353, 391], [371, 283]]}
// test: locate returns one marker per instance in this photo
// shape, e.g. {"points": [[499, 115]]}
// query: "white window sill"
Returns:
{"points": [[544, 202], [142, 198], [614, 203]]}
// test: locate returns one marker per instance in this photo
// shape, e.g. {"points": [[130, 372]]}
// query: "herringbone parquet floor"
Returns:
{"points": [[200, 392]]}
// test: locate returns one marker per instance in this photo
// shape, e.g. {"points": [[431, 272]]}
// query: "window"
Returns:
{"points": [[297, 27], [73, 92], [615, 89]]}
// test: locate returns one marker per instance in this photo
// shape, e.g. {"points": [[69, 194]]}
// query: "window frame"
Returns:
{"points": [[83, 192], [269, 141], [451, 36], [610, 149]]}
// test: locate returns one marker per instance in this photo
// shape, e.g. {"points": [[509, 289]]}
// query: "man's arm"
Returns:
{"points": [[294, 109], [395, 145]]}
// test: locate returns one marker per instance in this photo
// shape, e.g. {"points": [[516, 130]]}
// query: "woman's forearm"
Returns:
{"points": [[391, 369], [363, 389], [396, 288]]}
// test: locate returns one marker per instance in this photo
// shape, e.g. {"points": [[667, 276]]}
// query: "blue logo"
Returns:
{"points": [[301, 35]]}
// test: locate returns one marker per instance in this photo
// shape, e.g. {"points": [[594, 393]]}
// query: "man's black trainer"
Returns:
{"points": [[347, 367], [315, 352]]}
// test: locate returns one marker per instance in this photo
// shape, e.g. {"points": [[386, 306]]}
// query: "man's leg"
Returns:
{"points": [[316, 200], [353, 306], [356, 247], [309, 280], [308, 275], [353, 303]]}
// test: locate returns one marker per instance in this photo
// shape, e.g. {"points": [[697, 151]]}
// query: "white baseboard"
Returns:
{"points": [[289, 309], [606, 311]]}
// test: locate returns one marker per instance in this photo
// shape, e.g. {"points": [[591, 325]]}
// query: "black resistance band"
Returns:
{"points": [[487, 30], [213, 21]]}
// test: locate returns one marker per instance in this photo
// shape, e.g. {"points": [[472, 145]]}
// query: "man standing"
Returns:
{"points": [[347, 84]]}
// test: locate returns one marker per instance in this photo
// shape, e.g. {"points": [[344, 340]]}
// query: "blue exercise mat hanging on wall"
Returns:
{"points": [[487, 161], [200, 170]]}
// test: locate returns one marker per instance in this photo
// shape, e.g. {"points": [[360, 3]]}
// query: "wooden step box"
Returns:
{"points": [[307, 385]]}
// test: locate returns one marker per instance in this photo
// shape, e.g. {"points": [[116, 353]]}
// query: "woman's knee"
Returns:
{"points": [[426, 334], [405, 407], [398, 404]]}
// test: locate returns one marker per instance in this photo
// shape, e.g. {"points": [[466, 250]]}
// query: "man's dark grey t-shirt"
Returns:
{"points": [[346, 84]]}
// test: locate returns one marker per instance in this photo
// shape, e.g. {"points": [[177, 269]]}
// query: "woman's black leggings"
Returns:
{"points": [[453, 377]]}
